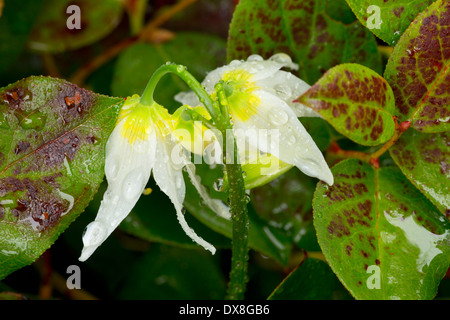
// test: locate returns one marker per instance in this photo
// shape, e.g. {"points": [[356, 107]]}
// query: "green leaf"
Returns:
{"points": [[356, 101], [305, 31], [263, 237], [418, 70], [381, 236], [310, 280], [286, 203], [424, 158], [201, 53], [393, 16], [52, 139], [15, 27], [167, 273], [52, 34]]}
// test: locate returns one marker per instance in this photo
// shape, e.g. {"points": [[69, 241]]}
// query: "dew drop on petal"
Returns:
{"points": [[178, 182], [94, 233], [279, 117], [255, 57], [283, 91], [281, 58], [133, 185], [111, 169]]}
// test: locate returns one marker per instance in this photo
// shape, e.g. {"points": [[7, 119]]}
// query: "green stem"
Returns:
{"points": [[205, 99], [238, 206]]}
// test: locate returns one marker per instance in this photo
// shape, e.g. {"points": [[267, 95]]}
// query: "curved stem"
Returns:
{"points": [[179, 70]]}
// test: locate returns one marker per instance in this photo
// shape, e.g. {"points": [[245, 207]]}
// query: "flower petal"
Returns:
{"points": [[215, 204], [288, 87], [280, 133], [127, 167], [169, 177]]}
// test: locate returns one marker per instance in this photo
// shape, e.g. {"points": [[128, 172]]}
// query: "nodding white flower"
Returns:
{"points": [[261, 102], [144, 140]]}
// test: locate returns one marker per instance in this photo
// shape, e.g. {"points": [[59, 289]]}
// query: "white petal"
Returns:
{"points": [[169, 177], [281, 134], [215, 204], [187, 98], [289, 87], [127, 169]]}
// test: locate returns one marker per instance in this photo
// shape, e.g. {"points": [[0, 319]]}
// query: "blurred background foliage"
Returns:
{"points": [[120, 44]]}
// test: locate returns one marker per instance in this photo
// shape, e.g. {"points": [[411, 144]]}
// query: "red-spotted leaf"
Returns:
{"points": [[387, 19], [424, 158], [381, 236], [418, 70], [52, 139], [305, 30], [356, 101]]}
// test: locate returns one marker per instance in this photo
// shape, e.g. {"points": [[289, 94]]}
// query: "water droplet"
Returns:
{"points": [[94, 234], [281, 58], [178, 182], [111, 169], [283, 91], [255, 57], [292, 140], [279, 117], [33, 121], [218, 185], [181, 68], [133, 185]]}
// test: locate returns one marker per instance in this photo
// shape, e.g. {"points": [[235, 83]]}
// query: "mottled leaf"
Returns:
{"points": [[387, 19], [356, 101], [15, 27], [56, 29], [52, 139], [201, 53], [310, 280], [418, 70], [424, 158], [381, 236], [305, 31]]}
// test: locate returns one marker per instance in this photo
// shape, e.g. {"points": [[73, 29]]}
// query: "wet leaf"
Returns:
{"points": [[424, 158], [387, 19], [305, 31], [263, 237], [418, 70], [56, 30], [15, 27], [52, 139], [381, 236], [356, 101], [286, 203], [310, 280], [167, 273], [201, 53]]}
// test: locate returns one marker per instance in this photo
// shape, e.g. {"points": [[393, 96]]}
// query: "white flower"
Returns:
{"points": [[143, 140], [261, 101]]}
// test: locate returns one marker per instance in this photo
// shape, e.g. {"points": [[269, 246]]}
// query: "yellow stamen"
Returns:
{"points": [[243, 102]]}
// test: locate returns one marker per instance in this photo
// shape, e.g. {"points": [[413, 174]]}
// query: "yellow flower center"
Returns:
{"points": [[140, 120], [242, 100]]}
